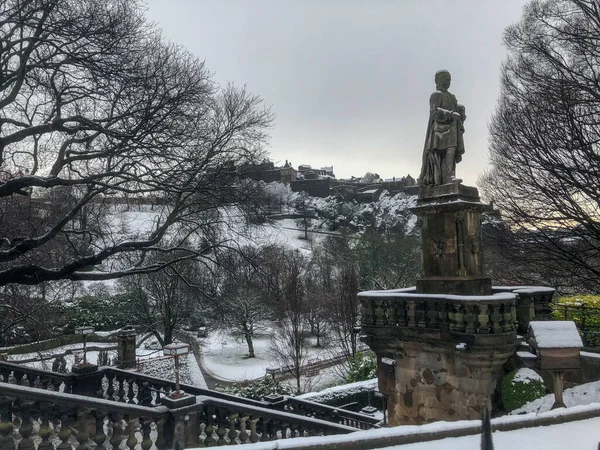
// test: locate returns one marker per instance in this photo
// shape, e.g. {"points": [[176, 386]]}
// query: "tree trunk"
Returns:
{"points": [[250, 346]]}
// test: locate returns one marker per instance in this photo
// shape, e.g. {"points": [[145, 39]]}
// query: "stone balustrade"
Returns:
{"points": [[330, 414], [40, 409], [405, 311], [43, 419]]}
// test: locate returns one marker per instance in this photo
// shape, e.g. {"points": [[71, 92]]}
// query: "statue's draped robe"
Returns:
{"points": [[444, 130]]}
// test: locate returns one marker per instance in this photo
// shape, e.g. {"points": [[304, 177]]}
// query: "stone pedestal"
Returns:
{"points": [[87, 380], [440, 357], [451, 253], [441, 346], [126, 346]]}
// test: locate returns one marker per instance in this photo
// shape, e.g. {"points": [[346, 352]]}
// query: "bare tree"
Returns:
{"points": [[241, 298], [289, 342], [165, 301], [94, 101], [545, 137]]}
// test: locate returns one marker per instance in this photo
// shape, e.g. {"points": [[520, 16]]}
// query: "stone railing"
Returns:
{"points": [[408, 311], [107, 405], [330, 414], [533, 303], [59, 420]]}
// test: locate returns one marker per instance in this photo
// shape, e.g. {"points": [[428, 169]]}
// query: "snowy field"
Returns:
{"points": [[226, 356]]}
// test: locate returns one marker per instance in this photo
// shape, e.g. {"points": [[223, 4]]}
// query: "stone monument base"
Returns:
{"points": [[436, 382]]}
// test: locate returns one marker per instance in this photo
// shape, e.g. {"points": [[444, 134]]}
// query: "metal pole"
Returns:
{"points": [[177, 375], [84, 349]]}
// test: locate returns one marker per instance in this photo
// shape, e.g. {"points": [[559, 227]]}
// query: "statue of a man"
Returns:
{"points": [[444, 144]]}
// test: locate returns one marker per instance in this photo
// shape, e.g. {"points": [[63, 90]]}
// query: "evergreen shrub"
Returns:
{"points": [[521, 386], [257, 389]]}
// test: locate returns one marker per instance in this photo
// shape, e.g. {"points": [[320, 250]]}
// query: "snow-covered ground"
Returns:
{"points": [[581, 434], [226, 356], [583, 394], [44, 359]]}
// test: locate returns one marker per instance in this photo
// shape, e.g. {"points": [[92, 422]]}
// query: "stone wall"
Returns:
{"points": [[434, 382]]}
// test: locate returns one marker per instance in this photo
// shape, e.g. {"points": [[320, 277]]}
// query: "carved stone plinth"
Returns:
{"points": [[440, 357], [451, 255]]}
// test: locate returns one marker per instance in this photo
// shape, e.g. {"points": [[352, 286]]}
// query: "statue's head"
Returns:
{"points": [[442, 79]]}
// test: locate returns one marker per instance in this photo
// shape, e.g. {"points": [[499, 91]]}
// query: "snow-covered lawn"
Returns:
{"points": [[226, 356]]}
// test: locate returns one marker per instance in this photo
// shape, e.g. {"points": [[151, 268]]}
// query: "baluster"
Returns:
{"points": [[82, 434], [253, 433], [209, 428], [243, 435], [496, 319], [484, 319], [44, 432], [262, 426], [379, 313], [26, 428], [121, 391], [272, 429], [118, 434], [68, 385], [421, 312], [68, 417], [469, 319], [18, 377], [6, 425], [44, 382], [392, 313], [232, 435], [444, 323], [146, 430], [158, 389], [401, 313], [507, 322], [130, 391], [55, 384], [131, 429], [5, 374], [368, 313], [99, 435], [221, 427], [160, 433], [145, 395], [411, 318], [110, 389], [31, 379], [385, 307], [432, 315]]}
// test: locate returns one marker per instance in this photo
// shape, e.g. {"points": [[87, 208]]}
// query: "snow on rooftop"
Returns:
{"points": [[555, 334]]}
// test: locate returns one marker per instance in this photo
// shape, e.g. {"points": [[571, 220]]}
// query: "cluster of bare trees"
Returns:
{"points": [[545, 145], [95, 104], [96, 107]]}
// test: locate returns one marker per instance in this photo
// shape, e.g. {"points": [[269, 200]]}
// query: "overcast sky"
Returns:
{"points": [[349, 80]]}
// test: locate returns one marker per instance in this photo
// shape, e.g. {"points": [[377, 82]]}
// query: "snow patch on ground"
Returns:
{"points": [[584, 394]]}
